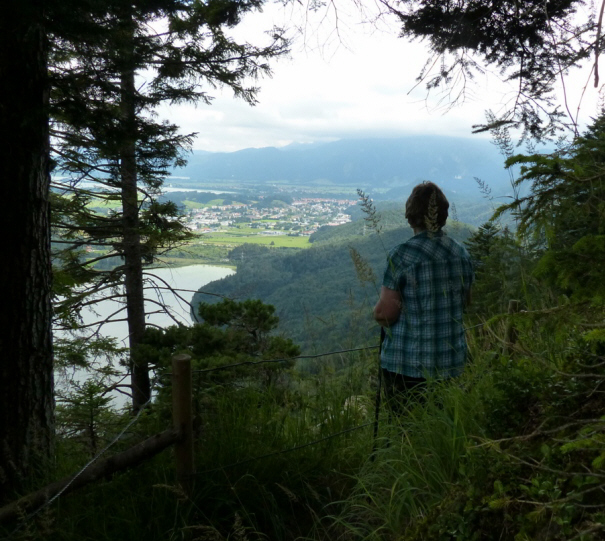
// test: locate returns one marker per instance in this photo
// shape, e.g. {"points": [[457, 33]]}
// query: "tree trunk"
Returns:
{"points": [[133, 273], [26, 366]]}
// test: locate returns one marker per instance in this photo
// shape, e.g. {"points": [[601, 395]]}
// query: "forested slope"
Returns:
{"points": [[323, 295]]}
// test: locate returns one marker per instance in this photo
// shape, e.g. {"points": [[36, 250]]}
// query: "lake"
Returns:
{"points": [[184, 280]]}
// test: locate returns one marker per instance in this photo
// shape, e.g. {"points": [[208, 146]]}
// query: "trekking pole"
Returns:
{"points": [[378, 394]]}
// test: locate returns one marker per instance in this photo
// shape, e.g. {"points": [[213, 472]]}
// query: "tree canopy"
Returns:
{"points": [[231, 333], [82, 63], [564, 211], [109, 145], [532, 44]]}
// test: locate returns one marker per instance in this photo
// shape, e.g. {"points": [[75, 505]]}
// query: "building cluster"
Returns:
{"points": [[302, 217]]}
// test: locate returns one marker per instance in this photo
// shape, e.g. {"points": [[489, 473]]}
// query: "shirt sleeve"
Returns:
{"points": [[392, 273], [470, 270]]}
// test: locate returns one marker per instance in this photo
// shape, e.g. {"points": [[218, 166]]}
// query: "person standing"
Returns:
{"points": [[425, 289]]}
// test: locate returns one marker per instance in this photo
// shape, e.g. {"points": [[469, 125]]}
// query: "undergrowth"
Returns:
{"points": [[512, 450]]}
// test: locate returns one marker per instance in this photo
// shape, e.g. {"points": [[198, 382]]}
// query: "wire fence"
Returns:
{"points": [[23, 521], [298, 357], [94, 459], [26, 519], [282, 360]]}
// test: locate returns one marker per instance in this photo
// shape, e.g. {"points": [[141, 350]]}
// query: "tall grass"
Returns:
{"points": [[422, 454], [287, 462], [268, 460], [512, 450]]}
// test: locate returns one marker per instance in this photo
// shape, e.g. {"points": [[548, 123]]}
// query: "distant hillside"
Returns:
{"points": [[391, 214], [317, 292], [389, 164]]}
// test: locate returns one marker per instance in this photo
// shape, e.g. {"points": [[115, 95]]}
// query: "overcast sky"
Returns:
{"points": [[361, 83]]}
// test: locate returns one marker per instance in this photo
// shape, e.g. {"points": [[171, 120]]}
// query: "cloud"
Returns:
{"points": [[364, 86]]}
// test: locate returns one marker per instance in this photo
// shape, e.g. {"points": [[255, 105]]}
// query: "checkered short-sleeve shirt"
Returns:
{"points": [[433, 274]]}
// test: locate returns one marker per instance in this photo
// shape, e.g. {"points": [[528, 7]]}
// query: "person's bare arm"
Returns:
{"points": [[388, 307]]}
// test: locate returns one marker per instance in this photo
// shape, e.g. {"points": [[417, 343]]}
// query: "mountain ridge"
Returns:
{"points": [[385, 163]]}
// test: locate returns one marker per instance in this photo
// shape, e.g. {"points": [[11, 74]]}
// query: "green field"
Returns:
{"points": [[104, 204], [214, 248], [242, 231], [188, 204], [184, 262], [236, 238]]}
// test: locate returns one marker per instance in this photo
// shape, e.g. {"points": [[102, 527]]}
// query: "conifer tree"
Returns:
{"points": [[481, 244], [240, 333], [501, 267], [532, 44], [140, 55], [564, 212]]}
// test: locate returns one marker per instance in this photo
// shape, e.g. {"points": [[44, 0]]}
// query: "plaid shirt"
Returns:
{"points": [[434, 275]]}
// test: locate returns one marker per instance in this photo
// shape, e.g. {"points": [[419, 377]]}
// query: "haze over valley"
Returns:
{"points": [[384, 167]]}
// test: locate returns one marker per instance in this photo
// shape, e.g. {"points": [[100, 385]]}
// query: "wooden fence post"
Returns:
{"points": [[510, 338], [182, 420]]}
